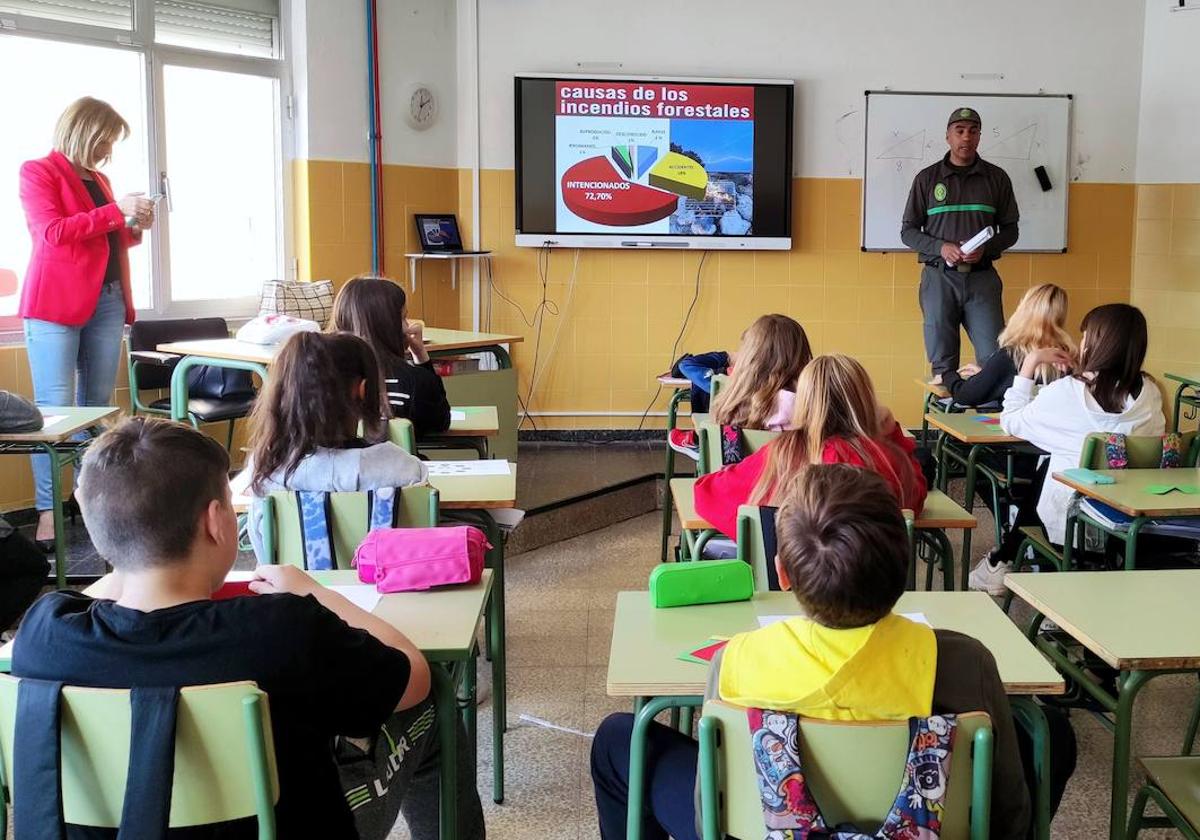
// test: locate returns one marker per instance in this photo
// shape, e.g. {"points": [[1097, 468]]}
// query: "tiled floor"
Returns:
{"points": [[560, 601]]}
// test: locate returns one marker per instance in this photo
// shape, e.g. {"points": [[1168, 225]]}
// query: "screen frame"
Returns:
{"points": [[659, 241]]}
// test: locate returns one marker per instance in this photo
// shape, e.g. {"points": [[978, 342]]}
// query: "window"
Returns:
{"points": [[201, 85]]}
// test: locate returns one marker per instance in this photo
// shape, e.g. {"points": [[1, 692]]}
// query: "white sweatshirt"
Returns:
{"points": [[1058, 420], [332, 470]]}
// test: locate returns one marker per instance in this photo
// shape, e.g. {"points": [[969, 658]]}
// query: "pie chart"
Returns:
{"points": [[600, 190]]}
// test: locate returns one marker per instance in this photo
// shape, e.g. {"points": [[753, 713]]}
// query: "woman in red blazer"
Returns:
{"points": [[76, 299]]}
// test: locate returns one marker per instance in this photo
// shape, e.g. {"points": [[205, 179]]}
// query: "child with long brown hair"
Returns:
{"points": [[1107, 392], [762, 375], [375, 309], [837, 420], [1038, 322], [306, 420]]}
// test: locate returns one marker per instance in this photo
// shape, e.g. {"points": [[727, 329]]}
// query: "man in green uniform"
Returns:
{"points": [[949, 203]]}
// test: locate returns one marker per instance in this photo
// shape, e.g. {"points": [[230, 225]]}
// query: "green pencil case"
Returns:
{"points": [[701, 582]]}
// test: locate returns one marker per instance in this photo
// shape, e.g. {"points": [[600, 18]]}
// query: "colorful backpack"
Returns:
{"points": [[791, 813], [1116, 454], [315, 530]]}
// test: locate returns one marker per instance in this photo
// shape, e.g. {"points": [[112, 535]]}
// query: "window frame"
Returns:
{"points": [[154, 57]]}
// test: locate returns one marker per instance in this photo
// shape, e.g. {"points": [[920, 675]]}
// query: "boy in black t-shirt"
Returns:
{"points": [[156, 501]]}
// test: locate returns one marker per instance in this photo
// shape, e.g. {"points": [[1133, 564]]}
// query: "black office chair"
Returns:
{"points": [[215, 395]]}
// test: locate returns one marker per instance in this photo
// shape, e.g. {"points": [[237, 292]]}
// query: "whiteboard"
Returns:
{"points": [[905, 132]]}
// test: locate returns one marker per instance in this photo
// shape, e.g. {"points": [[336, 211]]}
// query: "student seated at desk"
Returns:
{"points": [[156, 502], [837, 421], [1107, 392], [374, 309], [842, 549], [1038, 322], [306, 427], [759, 393]]}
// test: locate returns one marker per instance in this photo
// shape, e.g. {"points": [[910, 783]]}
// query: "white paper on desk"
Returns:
{"points": [[362, 595], [765, 620], [455, 414], [484, 466], [53, 420]]}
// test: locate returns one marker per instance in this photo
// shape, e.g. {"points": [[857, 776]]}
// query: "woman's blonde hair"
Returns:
{"points": [[834, 399], [86, 124], [774, 350], [1038, 322]]}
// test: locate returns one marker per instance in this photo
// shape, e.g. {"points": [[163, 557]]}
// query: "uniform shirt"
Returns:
{"points": [[949, 203], [322, 677]]}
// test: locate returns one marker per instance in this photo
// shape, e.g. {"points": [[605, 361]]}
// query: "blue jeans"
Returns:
{"points": [[85, 357]]}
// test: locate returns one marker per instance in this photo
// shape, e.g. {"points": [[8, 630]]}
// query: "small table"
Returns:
{"points": [[642, 660], [694, 530], [56, 439], [470, 425], [934, 393], [453, 259], [978, 433], [1187, 382], [1128, 494], [1143, 623], [683, 391]]}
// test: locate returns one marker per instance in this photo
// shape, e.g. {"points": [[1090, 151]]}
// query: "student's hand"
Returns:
{"points": [[414, 332], [272, 580], [951, 253], [968, 370], [973, 257], [1059, 358]]}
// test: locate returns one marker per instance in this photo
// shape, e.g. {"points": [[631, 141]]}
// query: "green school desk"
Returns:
{"points": [[694, 530], [471, 497], [646, 642], [933, 394], [443, 624], [1187, 382], [470, 425], [55, 440], [1143, 623], [491, 387], [1129, 495], [683, 390], [967, 431]]}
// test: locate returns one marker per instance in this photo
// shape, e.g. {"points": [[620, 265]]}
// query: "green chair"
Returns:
{"points": [[751, 547], [402, 433], [1143, 452], [715, 384], [1174, 784], [224, 755], [282, 539], [853, 770], [708, 436]]}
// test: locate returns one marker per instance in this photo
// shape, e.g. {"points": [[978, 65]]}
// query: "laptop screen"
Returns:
{"points": [[438, 233]]}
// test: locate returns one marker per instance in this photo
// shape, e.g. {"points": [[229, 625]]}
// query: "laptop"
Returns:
{"points": [[439, 234]]}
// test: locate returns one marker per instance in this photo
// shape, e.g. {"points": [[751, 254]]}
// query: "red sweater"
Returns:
{"points": [[718, 495]]}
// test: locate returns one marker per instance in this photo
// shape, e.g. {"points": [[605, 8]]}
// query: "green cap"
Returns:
{"points": [[964, 115]]}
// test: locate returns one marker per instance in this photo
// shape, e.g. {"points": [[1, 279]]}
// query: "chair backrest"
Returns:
{"points": [[224, 754], [708, 437], [401, 432], [752, 545], [147, 335], [416, 507], [715, 384], [1143, 451], [853, 770]]}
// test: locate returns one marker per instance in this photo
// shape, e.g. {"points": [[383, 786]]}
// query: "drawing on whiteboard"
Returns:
{"points": [[910, 148], [1017, 146]]}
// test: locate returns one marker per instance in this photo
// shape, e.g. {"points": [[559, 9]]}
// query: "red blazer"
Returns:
{"points": [[70, 243], [717, 495]]}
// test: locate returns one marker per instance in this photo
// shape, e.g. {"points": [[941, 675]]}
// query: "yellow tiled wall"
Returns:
{"points": [[333, 227], [1166, 276], [601, 349]]}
